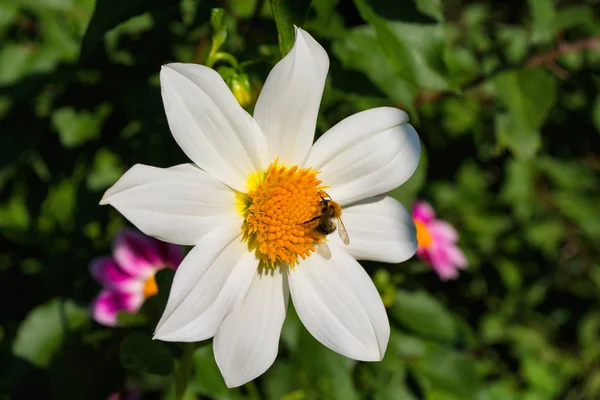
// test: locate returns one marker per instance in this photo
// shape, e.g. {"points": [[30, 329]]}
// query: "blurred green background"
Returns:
{"points": [[504, 95]]}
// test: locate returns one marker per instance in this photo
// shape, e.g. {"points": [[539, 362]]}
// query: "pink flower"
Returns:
{"points": [[128, 276], [128, 394], [437, 242]]}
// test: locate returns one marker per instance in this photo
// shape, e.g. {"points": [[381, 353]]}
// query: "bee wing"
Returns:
{"points": [[323, 250], [342, 232]]}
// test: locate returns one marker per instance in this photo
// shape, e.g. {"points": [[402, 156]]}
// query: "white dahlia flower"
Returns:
{"points": [[251, 203]]}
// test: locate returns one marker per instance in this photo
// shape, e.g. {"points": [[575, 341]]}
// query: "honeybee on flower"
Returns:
{"points": [[324, 222]]}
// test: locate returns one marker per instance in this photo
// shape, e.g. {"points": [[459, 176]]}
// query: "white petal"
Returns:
{"points": [[177, 205], [247, 341], [210, 126], [213, 277], [380, 229], [366, 154], [340, 306], [288, 104]]}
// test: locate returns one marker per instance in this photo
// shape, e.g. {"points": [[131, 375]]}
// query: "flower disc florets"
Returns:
{"points": [[277, 209]]}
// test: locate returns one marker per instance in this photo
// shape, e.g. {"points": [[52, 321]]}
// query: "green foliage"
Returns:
{"points": [[287, 14], [110, 13], [529, 95], [421, 313], [75, 129], [504, 96], [45, 328], [433, 8], [208, 380], [142, 354], [395, 50]]}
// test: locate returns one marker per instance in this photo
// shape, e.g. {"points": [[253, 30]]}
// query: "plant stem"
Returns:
{"points": [[563, 48], [253, 390], [185, 368]]}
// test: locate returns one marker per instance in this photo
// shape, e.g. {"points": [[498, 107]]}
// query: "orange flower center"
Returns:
{"points": [[150, 287], [276, 210], [423, 235]]}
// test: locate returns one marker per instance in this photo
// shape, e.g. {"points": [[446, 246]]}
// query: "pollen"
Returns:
{"points": [[281, 211], [150, 287], [423, 236]]}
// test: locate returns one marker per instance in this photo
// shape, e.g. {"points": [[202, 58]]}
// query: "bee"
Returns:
{"points": [[330, 210]]}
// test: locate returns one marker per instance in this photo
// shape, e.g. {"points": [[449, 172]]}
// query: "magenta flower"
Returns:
{"points": [[437, 242], [128, 394], [128, 276]]}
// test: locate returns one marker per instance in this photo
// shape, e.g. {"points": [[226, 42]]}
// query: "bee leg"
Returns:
{"points": [[326, 197], [311, 220]]}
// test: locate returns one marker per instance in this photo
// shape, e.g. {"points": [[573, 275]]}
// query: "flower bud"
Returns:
{"points": [[242, 90]]}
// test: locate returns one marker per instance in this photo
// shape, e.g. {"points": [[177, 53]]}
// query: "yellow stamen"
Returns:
{"points": [[276, 210], [423, 236], [150, 287]]}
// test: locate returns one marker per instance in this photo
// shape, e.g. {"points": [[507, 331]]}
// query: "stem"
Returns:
{"points": [[257, 9], [253, 390], [213, 58], [185, 368], [563, 48]]}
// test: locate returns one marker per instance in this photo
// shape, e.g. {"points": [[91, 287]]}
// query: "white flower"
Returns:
{"points": [[244, 203]]}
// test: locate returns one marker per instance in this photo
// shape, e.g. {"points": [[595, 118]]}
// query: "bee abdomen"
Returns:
{"points": [[326, 228]]}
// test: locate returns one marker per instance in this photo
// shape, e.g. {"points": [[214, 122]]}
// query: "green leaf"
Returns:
{"points": [[216, 17], [543, 15], [576, 16], [461, 114], [359, 50], [519, 188], [15, 62], [436, 367], [546, 236], [128, 319], [45, 328], [78, 127], [110, 13], [207, 379], [328, 373], [219, 29], [14, 214], [142, 354], [316, 370], [425, 45], [515, 43], [422, 313], [327, 23], [58, 208], [8, 11], [279, 381], [288, 13], [49, 5], [540, 374], [462, 65], [394, 48], [529, 95], [106, 169], [126, 30], [432, 8], [449, 371], [188, 10], [582, 210], [388, 378]]}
